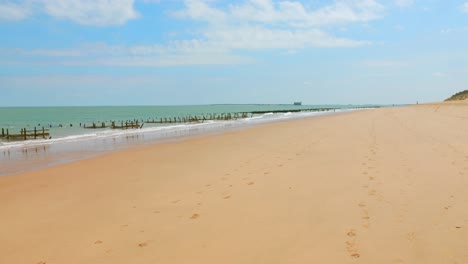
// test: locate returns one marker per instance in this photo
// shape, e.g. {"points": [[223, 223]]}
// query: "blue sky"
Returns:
{"points": [[163, 52]]}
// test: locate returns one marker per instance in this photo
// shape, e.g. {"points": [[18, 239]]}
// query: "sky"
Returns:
{"points": [[176, 52]]}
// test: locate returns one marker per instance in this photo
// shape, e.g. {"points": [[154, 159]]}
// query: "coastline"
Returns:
{"points": [[375, 186], [22, 156]]}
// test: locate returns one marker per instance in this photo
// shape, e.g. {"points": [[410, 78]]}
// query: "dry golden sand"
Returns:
{"points": [[374, 186]]}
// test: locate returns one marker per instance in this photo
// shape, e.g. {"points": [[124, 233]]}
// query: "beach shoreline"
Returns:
{"points": [[344, 188], [31, 155]]}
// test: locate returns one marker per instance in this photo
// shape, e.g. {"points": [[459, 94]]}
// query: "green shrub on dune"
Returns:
{"points": [[459, 96]]}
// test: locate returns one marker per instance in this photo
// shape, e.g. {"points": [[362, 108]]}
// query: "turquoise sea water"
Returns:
{"points": [[70, 141]]}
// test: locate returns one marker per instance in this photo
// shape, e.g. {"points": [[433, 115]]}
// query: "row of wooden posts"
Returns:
{"points": [[199, 119], [135, 124], [126, 125], [186, 119], [26, 134]]}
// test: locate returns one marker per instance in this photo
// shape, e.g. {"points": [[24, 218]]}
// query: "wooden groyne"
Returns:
{"points": [[198, 118], [123, 125], [127, 125], [94, 126], [26, 134], [292, 111], [138, 123]]}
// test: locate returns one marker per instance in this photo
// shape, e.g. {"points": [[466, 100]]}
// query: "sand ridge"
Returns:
{"points": [[374, 186]]}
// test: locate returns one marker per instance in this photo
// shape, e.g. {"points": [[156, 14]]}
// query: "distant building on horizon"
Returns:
{"points": [[297, 103]]}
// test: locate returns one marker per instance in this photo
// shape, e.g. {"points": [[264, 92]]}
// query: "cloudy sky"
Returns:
{"points": [[160, 52]]}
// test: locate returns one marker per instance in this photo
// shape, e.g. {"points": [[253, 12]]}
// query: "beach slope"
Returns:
{"points": [[371, 186]]}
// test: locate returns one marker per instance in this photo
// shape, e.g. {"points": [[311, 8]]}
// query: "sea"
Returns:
{"points": [[70, 141]]}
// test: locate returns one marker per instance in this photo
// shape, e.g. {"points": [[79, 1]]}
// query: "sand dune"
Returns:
{"points": [[372, 186]]}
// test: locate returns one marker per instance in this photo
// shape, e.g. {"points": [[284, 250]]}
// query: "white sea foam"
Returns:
{"points": [[165, 131]]}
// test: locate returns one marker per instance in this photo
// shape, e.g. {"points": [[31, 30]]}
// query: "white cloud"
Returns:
{"points": [[385, 64], [190, 52], [464, 7], [11, 11], [293, 13], [267, 24], [251, 25], [199, 10], [92, 12], [404, 3], [439, 74], [454, 30], [151, 1], [257, 37], [84, 12]]}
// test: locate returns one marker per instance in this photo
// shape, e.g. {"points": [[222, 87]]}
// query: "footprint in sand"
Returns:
{"points": [[227, 197], [176, 201], [41, 262], [194, 216], [366, 217], [351, 245], [98, 242], [411, 237], [351, 233], [144, 244], [250, 183]]}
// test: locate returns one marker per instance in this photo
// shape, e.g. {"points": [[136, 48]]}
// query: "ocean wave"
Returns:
{"points": [[164, 131]]}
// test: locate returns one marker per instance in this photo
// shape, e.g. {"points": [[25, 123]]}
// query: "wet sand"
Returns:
{"points": [[372, 186]]}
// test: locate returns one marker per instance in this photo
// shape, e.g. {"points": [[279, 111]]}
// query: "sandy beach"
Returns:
{"points": [[372, 186]]}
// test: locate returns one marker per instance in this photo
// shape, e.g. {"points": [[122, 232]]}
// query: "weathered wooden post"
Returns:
{"points": [[24, 133], [35, 133], [43, 132], [3, 132]]}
